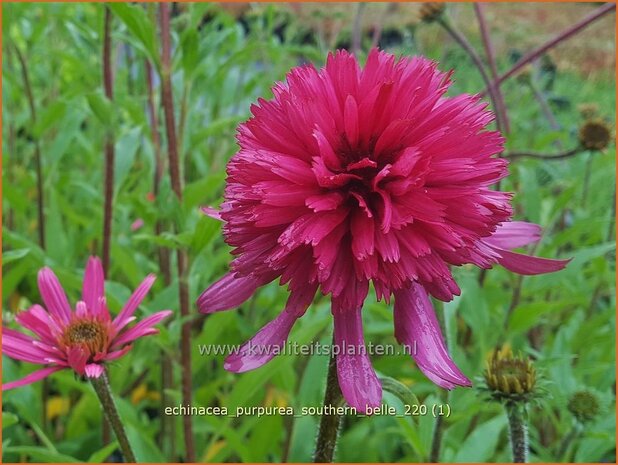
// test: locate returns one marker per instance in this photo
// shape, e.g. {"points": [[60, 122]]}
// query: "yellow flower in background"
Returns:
{"points": [[56, 406]]}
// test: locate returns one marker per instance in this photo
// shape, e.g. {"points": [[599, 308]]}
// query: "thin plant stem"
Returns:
{"points": [[476, 59], [39, 188], [546, 109], [329, 424], [544, 156], [491, 60], [108, 87], [518, 432], [567, 441], [357, 29], [587, 173], [101, 387], [540, 50], [181, 256], [167, 423], [37, 148], [109, 144]]}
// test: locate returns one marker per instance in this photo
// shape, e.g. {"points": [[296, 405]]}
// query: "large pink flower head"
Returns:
{"points": [[351, 176], [81, 340]]}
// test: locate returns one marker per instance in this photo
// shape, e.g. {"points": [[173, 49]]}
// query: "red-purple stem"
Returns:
{"points": [[491, 60], [537, 52], [108, 86], [182, 259], [167, 423], [476, 59], [37, 148], [109, 144]]}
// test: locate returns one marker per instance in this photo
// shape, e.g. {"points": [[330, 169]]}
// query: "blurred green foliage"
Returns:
{"points": [[566, 321]]}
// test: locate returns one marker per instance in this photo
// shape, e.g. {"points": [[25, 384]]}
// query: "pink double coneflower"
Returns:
{"points": [[83, 339], [351, 176]]}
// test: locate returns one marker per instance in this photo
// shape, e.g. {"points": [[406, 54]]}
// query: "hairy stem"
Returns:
{"points": [[537, 52], [101, 387], [489, 52], [476, 59], [518, 432], [181, 256], [329, 424]]}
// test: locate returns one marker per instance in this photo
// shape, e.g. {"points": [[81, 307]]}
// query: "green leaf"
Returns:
{"points": [[100, 455], [9, 419], [140, 26], [13, 255]]}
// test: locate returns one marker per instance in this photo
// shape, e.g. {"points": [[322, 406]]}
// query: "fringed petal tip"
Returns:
{"points": [[529, 265], [212, 213], [357, 379], [269, 340], [417, 327]]}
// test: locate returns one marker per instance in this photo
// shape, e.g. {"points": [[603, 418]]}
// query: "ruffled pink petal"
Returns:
{"points": [[357, 379], [77, 358], [94, 283], [31, 378], [94, 370], [81, 309], [143, 328], [416, 327], [513, 234], [529, 265], [21, 347], [227, 293], [262, 347], [53, 295], [37, 320], [123, 318], [212, 212]]}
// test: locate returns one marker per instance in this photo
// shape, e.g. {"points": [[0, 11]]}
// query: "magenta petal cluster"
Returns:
{"points": [[354, 175], [82, 339]]}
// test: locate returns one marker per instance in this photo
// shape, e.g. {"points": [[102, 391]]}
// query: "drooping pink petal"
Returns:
{"points": [[53, 295], [513, 234], [31, 378], [357, 379], [94, 370], [227, 293], [143, 328], [417, 328], [21, 347], [123, 318], [93, 286], [269, 340], [527, 264]]}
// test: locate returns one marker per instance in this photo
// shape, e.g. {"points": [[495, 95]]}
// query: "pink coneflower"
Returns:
{"points": [[350, 176], [81, 340]]}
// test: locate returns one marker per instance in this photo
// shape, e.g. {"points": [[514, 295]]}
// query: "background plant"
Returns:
{"points": [[223, 58]]}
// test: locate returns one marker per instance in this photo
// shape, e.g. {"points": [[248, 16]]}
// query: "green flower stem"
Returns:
{"points": [[101, 387], [329, 424], [518, 430]]}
